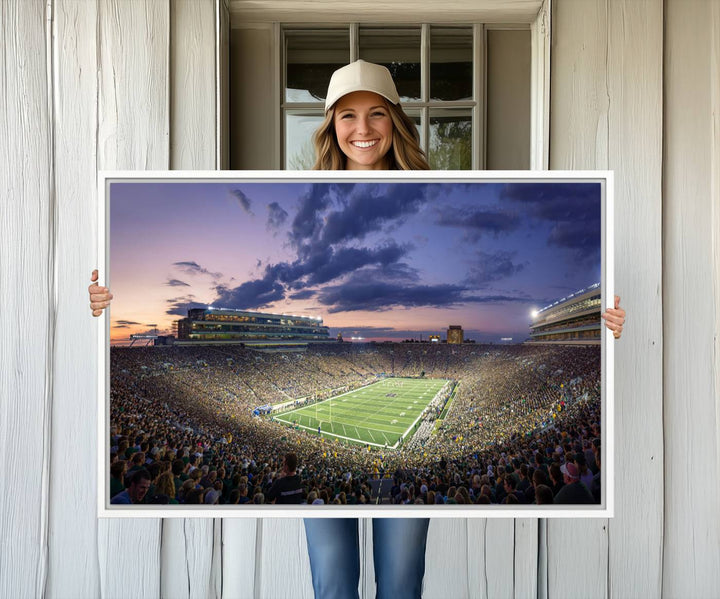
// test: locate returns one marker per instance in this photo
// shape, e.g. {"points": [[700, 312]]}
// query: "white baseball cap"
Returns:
{"points": [[361, 76]]}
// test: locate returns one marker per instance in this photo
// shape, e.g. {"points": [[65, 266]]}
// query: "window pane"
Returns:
{"points": [[399, 51], [299, 150], [414, 115], [451, 55], [450, 139], [311, 57]]}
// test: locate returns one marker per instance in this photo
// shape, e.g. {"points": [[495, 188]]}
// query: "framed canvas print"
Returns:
{"points": [[334, 344]]}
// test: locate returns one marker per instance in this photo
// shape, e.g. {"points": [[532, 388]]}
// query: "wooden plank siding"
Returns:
{"points": [[448, 557], [193, 85], [115, 84], [692, 315], [577, 550], [74, 569], [27, 318], [282, 565], [635, 89], [239, 557], [133, 132], [606, 113]]}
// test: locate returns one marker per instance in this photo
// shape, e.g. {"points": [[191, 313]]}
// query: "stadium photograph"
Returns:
{"points": [[374, 343]]}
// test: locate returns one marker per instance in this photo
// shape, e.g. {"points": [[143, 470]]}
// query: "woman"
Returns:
{"points": [[364, 126], [364, 129]]}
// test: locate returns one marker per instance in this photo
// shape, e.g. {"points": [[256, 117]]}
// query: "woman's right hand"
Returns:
{"points": [[99, 296]]}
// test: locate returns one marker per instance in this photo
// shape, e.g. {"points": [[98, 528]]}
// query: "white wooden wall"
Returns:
{"points": [[635, 87], [691, 288], [607, 113]]}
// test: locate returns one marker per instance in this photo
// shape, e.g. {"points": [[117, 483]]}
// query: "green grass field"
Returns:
{"points": [[379, 414]]}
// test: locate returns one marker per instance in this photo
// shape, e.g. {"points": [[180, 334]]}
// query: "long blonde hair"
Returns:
{"points": [[405, 154]]}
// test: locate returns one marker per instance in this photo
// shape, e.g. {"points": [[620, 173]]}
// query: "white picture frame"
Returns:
{"points": [[605, 178]]}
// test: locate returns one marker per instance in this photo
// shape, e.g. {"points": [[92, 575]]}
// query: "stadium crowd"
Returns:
{"points": [[523, 427]]}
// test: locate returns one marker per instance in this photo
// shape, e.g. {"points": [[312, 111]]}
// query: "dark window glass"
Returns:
{"points": [[398, 50], [451, 63], [311, 57]]}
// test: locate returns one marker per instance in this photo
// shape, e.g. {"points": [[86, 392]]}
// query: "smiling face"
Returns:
{"points": [[364, 130]]}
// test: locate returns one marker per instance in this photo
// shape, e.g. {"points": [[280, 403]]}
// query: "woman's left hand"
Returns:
{"points": [[615, 318]]}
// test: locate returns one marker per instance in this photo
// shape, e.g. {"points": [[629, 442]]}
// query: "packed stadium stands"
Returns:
{"points": [[520, 413], [571, 319]]}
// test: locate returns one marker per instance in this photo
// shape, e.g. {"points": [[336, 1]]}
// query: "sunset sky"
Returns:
{"points": [[377, 260]]}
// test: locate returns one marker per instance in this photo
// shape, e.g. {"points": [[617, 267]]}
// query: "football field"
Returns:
{"points": [[379, 414]]}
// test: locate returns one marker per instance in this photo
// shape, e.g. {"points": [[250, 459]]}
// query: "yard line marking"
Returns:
{"points": [[340, 436], [370, 407]]}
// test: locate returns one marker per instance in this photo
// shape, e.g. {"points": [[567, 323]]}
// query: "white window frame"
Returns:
{"points": [[536, 15]]}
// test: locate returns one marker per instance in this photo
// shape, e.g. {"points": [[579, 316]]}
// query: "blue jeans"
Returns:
{"points": [[398, 551]]}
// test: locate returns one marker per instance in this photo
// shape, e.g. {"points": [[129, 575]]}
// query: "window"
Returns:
{"points": [[436, 69], [467, 87]]}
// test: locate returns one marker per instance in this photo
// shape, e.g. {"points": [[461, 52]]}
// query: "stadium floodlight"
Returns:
{"points": [[534, 313]]}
